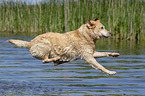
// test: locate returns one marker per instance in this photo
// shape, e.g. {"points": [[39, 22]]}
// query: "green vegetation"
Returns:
{"points": [[125, 18]]}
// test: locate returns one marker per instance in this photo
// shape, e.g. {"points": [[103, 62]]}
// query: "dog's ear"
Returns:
{"points": [[96, 19], [89, 24]]}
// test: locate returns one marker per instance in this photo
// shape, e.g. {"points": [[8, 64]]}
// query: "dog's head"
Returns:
{"points": [[96, 29]]}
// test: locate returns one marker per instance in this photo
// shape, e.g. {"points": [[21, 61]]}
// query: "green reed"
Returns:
{"points": [[124, 18]]}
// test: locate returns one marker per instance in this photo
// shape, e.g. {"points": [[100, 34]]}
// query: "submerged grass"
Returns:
{"points": [[125, 18]]}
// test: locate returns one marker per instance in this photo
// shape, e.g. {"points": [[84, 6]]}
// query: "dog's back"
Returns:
{"points": [[52, 45]]}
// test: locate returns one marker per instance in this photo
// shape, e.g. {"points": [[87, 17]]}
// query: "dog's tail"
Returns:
{"points": [[20, 43]]}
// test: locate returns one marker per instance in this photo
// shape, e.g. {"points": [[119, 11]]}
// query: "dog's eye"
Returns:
{"points": [[102, 27]]}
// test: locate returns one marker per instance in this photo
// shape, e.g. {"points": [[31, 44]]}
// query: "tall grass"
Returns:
{"points": [[125, 18]]}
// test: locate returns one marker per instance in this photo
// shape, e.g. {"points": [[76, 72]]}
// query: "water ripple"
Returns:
{"points": [[20, 71]]}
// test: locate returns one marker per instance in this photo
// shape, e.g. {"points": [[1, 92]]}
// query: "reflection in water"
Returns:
{"points": [[21, 74]]}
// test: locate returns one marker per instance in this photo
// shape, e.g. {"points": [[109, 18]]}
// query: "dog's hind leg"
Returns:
{"points": [[105, 54], [41, 51], [59, 62], [46, 60]]}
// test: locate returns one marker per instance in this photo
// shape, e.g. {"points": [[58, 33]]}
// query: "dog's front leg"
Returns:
{"points": [[105, 54], [91, 60]]}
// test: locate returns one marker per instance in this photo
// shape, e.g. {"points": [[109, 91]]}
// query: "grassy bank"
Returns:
{"points": [[125, 18]]}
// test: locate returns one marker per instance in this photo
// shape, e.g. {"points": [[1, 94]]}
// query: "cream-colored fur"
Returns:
{"points": [[61, 48]]}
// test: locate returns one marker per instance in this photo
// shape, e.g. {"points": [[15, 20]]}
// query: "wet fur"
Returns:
{"points": [[61, 48]]}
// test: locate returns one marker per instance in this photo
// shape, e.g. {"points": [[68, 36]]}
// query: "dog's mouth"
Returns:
{"points": [[106, 36]]}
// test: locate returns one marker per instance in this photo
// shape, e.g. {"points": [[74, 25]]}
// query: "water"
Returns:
{"points": [[22, 75]]}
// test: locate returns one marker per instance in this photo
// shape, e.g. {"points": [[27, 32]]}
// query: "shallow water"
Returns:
{"points": [[21, 74]]}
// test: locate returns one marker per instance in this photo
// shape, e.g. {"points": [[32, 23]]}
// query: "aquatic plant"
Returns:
{"points": [[125, 18]]}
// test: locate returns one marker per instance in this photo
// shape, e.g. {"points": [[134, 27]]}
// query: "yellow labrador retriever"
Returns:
{"points": [[61, 48]]}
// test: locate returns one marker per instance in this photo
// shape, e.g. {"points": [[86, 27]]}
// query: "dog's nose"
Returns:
{"points": [[109, 32]]}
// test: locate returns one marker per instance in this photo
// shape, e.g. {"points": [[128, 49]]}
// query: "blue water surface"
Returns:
{"points": [[23, 75]]}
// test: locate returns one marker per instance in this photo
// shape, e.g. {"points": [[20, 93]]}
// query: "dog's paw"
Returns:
{"points": [[111, 72], [43, 61], [113, 54]]}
